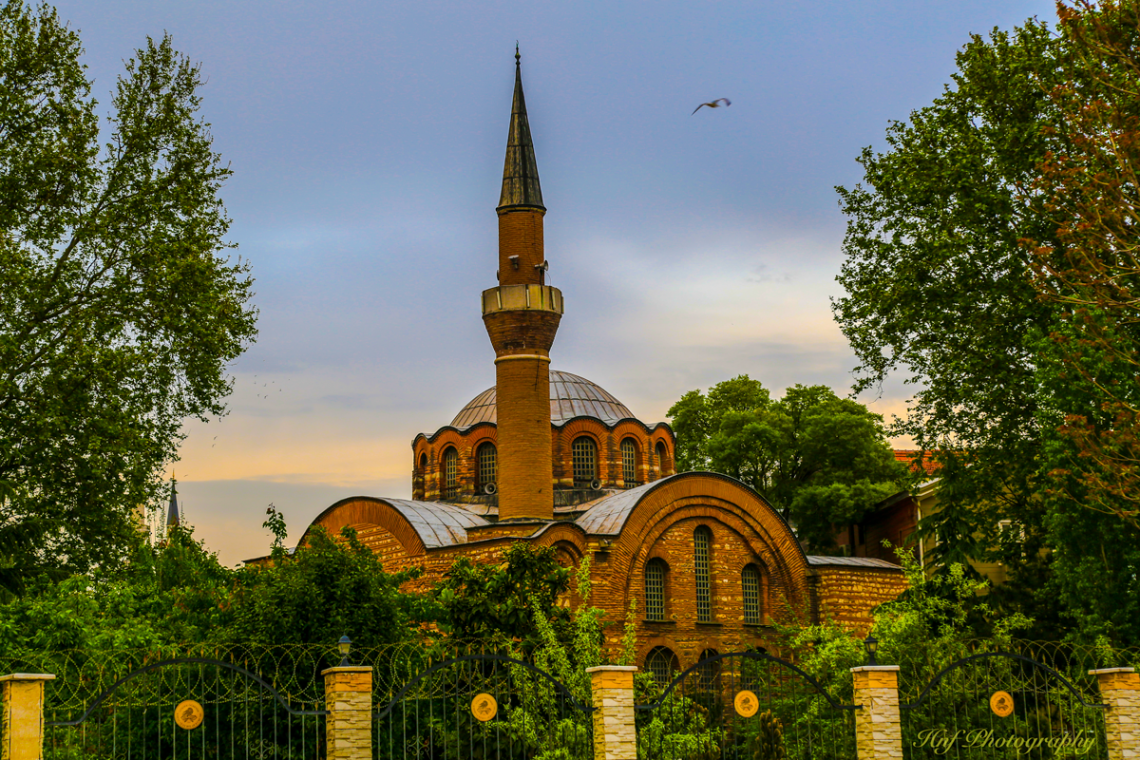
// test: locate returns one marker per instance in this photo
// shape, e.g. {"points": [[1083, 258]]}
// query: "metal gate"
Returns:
{"points": [[744, 705], [483, 707], [1004, 705], [181, 708]]}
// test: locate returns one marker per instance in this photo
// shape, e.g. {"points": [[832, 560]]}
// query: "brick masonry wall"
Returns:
{"points": [[525, 472], [744, 529], [848, 595], [521, 234]]}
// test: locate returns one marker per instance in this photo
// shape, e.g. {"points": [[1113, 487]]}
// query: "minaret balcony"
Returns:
{"points": [[522, 298]]}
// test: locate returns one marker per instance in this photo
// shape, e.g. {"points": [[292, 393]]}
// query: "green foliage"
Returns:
{"points": [[989, 260], [167, 594], [327, 589], [937, 285], [120, 311], [819, 459], [768, 744], [497, 602]]}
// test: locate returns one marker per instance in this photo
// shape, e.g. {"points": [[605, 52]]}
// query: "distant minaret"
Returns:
{"points": [[173, 519], [521, 316]]}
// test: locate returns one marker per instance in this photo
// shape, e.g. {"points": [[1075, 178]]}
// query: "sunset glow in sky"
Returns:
{"points": [[367, 143]]}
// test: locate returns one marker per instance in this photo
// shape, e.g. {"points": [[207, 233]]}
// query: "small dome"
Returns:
{"points": [[570, 396]]}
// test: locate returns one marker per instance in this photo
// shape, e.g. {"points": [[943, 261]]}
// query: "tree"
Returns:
{"points": [[818, 459], [498, 602], [121, 308], [1090, 276], [328, 588], [966, 250]]}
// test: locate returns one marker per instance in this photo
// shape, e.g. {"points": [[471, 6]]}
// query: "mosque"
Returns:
{"points": [[549, 458]]}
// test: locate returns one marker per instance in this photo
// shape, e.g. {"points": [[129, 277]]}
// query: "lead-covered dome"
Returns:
{"points": [[570, 396]]}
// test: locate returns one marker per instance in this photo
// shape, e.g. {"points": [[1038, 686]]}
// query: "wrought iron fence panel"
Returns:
{"points": [[481, 707], [178, 708], [744, 706], [1005, 703]]}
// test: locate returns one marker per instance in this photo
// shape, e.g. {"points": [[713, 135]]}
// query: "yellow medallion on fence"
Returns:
{"points": [[189, 714], [1002, 704], [484, 707], [746, 703]]}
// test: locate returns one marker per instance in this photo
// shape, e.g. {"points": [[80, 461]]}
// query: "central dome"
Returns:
{"points": [[570, 396]]}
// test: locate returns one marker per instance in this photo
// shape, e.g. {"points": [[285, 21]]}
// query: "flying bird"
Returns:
{"points": [[715, 104]]}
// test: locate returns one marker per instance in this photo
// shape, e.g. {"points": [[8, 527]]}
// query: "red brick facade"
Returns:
{"points": [[708, 564]]}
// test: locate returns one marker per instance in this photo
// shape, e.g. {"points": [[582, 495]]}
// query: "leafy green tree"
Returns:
{"points": [[121, 308], [1090, 407], [938, 287], [988, 261], [328, 588], [169, 594], [819, 459], [498, 602]]}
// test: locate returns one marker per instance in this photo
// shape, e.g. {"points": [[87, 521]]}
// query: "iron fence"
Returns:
{"points": [[483, 706], [991, 699], [741, 706]]}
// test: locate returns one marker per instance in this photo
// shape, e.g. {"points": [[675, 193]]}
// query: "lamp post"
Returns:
{"points": [[871, 644], [343, 646]]}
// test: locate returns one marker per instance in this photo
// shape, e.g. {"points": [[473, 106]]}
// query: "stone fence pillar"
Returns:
{"points": [[878, 726], [615, 737], [1120, 691], [348, 698], [23, 720]]}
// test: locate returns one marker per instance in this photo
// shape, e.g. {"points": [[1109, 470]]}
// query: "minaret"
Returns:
{"points": [[173, 519], [521, 316]]}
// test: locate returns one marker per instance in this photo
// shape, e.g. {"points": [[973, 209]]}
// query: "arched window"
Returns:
{"points": [[662, 664], [450, 473], [662, 458], [485, 465], [655, 589], [702, 550], [750, 583], [423, 463], [629, 462], [585, 457], [708, 671]]}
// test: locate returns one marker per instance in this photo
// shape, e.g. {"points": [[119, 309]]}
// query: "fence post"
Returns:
{"points": [[23, 721], [878, 726], [348, 699], [1120, 690], [615, 737]]}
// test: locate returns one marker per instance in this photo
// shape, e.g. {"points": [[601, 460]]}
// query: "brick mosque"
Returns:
{"points": [[551, 459]]}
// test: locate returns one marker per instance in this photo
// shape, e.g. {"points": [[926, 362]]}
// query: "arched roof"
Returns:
{"points": [[436, 523], [608, 516], [570, 396]]}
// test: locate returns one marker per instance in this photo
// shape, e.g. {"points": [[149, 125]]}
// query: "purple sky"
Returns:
{"points": [[367, 142]]}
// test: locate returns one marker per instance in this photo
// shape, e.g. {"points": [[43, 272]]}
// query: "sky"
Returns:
{"points": [[367, 143]]}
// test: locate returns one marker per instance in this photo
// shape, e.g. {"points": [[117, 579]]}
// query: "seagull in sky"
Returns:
{"points": [[715, 104]]}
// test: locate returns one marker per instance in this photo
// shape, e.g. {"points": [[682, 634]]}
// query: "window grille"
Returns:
{"points": [[629, 463], [662, 664], [702, 541], [450, 473], [708, 671], [584, 454], [750, 582], [485, 456], [655, 590]]}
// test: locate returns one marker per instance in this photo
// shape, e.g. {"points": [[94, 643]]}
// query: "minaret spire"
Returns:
{"points": [[520, 170], [521, 315], [172, 516]]}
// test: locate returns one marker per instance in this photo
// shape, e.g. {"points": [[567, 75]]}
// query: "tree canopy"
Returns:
{"points": [[983, 264], [121, 305], [819, 459]]}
